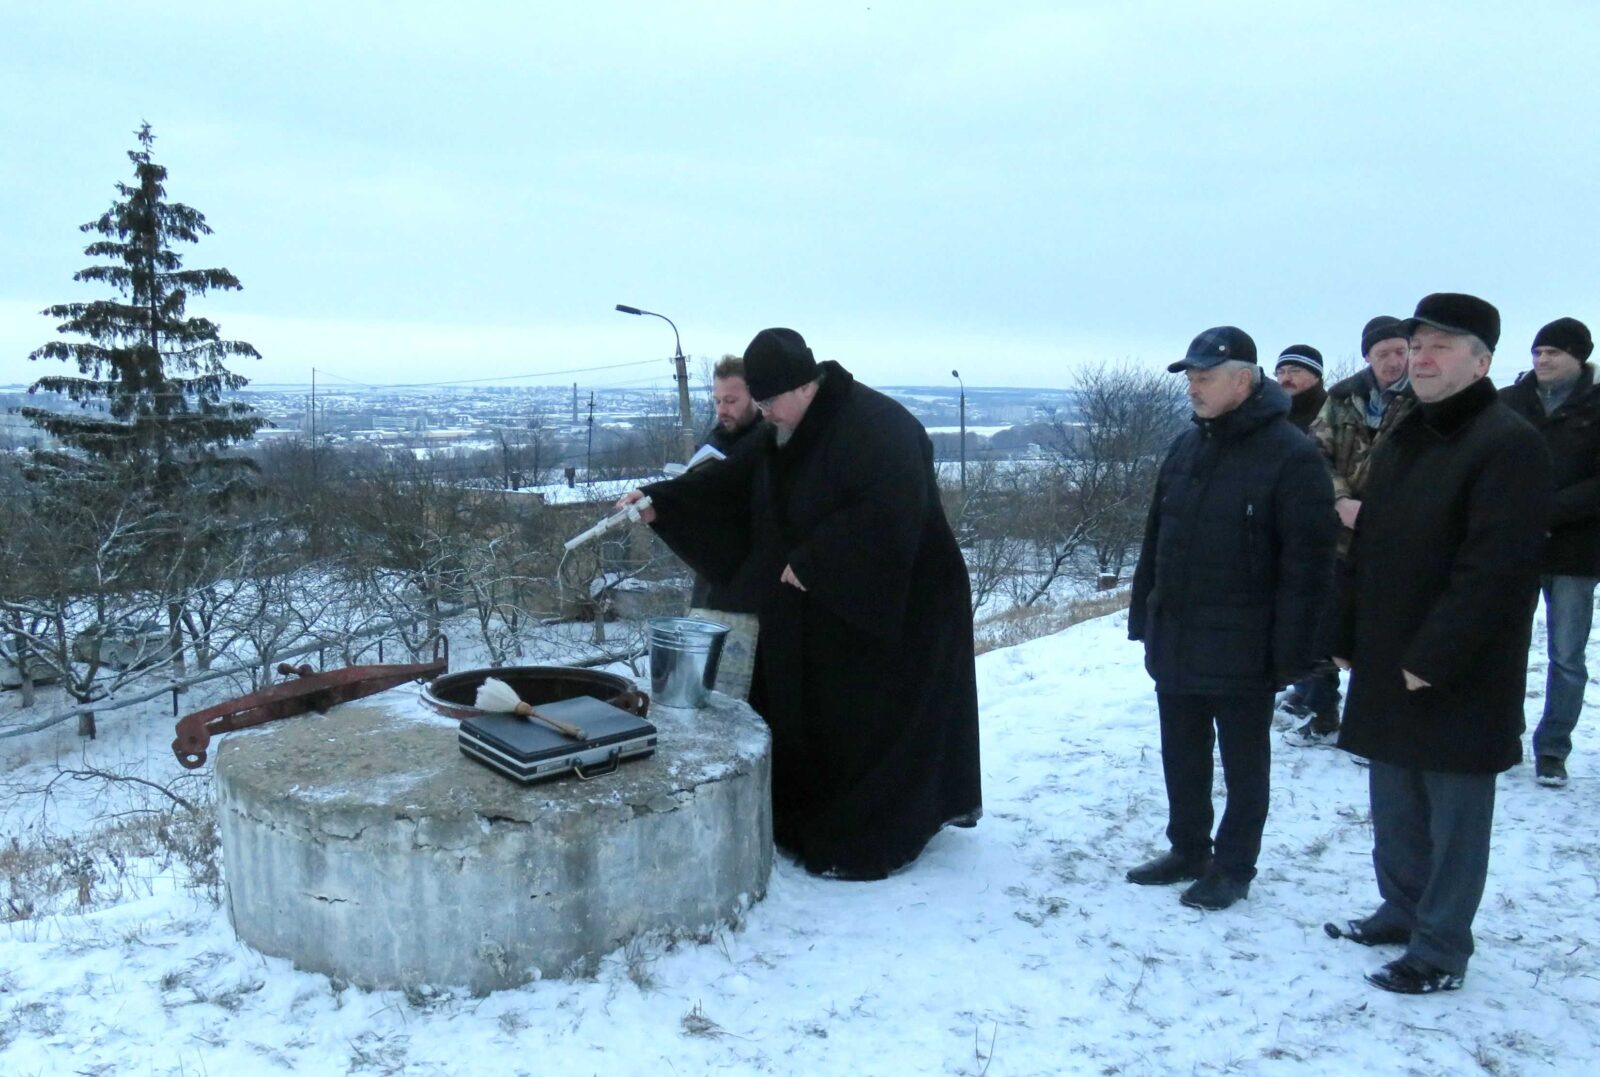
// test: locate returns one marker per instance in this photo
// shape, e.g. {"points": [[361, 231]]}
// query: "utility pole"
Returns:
{"points": [[313, 426], [956, 374], [588, 461]]}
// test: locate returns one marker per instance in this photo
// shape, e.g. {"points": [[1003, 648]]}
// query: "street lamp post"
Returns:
{"points": [[685, 419], [956, 374]]}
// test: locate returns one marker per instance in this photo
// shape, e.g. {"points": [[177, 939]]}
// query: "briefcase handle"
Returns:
{"points": [[600, 770]]}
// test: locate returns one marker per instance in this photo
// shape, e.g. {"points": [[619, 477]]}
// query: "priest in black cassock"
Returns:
{"points": [[864, 667]]}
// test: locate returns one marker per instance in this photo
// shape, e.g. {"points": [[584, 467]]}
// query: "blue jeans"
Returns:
{"points": [[1569, 611]]}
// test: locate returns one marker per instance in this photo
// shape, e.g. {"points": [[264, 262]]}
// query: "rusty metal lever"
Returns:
{"points": [[313, 691]]}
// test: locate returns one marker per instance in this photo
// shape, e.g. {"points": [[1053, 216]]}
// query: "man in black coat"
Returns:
{"points": [[1560, 398], [733, 431], [1232, 579], [864, 669], [1434, 624]]}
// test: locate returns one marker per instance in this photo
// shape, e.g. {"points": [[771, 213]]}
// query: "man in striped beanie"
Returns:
{"points": [[1299, 371]]}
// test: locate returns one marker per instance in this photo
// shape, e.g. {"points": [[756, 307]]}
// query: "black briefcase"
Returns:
{"points": [[527, 750]]}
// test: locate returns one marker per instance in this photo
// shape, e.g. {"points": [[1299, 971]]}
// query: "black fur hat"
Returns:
{"points": [[1383, 327], [1215, 346], [1568, 334], [776, 361], [1455, 312]]}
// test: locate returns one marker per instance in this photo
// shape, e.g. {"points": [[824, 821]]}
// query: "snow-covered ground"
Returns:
{"points": [[1013, 948]]}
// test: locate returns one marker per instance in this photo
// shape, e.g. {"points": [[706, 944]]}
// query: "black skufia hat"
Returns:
{"points": [[776, 361], [1383, 327], [1455, 312], [1216, 345], [1568, 334]]}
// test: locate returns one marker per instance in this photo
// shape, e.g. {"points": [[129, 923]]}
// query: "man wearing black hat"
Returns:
{"points": [[1560, 398], [1434, 624], [1228, 595], [1299, 372], [1361, 410], [1359, 413], [864, 669]]}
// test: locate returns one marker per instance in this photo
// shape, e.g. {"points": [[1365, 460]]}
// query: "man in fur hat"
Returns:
{"points": [[1434, 625]]}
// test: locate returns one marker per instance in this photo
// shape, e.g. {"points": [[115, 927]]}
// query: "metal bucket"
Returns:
{"points": [[684, 653]]}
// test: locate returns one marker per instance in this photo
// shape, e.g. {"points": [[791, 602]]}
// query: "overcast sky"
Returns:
{"points": [[421, 192]]}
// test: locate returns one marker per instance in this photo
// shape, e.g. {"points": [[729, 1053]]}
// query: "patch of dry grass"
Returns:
{"points": [[1022, 623], [87, 871]]}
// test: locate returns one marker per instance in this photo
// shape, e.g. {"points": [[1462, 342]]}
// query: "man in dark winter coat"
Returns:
{"points": [[1359, 413], [1299, 373], [1435, 618], [1232, 579], [737, 420], [864, 669], [1560, 398]]}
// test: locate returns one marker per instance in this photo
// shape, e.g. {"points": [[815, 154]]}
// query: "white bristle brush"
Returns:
{"points": [[498, 697]]}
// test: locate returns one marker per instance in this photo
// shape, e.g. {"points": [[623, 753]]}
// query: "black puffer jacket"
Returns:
{"points": [[1572, 433], [1237, 563], [1442, 578]]}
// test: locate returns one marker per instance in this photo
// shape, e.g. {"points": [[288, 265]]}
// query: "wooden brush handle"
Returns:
{"points": [[566, 729]]}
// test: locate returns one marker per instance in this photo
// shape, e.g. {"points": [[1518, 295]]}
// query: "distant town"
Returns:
{"points": [[571, 427]]}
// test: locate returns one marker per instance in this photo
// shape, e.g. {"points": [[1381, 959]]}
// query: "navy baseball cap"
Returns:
{"points": [[1215, 346]]}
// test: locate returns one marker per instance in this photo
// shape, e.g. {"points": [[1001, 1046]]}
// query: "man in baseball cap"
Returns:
{"points": [[1227, 597]]}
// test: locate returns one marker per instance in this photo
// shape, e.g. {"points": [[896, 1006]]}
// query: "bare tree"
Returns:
{"points": [[1096, 487], [985, 519], [1127, 417], [78, 597]]}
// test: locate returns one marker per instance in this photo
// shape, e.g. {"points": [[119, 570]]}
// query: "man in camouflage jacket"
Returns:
{"points": [[1360, 412]]}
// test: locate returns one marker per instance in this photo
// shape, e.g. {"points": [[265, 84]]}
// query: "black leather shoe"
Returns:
{"points": [[1170, 868], [1358, 931], [1414, 976], [1215, 892]]}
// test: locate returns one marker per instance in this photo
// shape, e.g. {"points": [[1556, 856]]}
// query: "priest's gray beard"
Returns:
{"points": [[784, 434]]}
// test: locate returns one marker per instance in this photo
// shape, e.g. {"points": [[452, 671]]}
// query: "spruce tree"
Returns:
{"points": [[146, 443], [150, 377]]}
